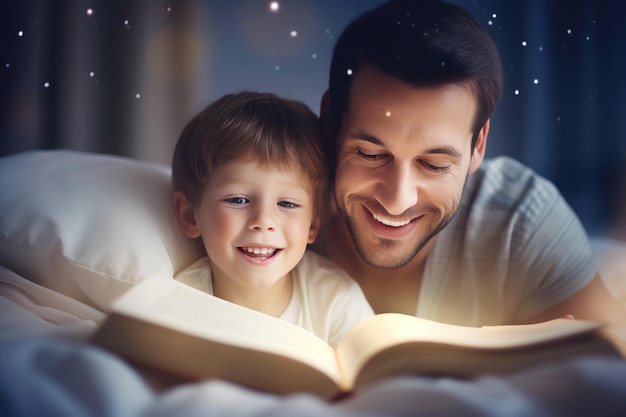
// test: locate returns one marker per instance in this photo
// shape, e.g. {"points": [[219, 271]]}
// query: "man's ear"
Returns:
{"points": [[185, 214], [327, 122], [480, 147], [316, 223]]}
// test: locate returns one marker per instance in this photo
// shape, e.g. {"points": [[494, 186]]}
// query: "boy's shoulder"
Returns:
{"points": [[318, 270], [318, 263]]}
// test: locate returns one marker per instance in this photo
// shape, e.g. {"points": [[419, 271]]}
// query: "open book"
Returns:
{"points": [[168, 325]]}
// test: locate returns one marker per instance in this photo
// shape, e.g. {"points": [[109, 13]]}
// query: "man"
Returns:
{"points": [[422, 223]]}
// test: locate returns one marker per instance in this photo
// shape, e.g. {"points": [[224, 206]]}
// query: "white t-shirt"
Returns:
{"points": [[514, 249], [325, 300]]}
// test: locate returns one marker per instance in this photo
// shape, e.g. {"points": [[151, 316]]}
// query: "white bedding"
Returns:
{"points": [[47, 368], [65, 254]]}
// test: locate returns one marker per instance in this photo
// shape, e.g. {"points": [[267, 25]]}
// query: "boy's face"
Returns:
{"points": [[255, 223], [404, 155]]}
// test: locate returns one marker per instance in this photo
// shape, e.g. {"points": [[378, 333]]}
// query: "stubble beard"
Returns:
{"points": [[389, 253]]}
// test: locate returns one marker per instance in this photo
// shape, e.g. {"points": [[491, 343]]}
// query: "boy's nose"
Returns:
{"points": [[262, 219]]}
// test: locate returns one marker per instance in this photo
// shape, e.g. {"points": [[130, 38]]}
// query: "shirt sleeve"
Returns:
{"points": [[553, 253]]}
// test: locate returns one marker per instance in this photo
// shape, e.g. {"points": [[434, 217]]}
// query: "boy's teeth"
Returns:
{"points": [[260, 251], [390, 223]]}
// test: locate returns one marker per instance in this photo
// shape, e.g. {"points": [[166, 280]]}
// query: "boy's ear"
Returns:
{"points": [[316, 223], [185, 214], [480, 147]]}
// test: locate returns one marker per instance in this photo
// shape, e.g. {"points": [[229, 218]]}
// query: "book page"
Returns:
{"points": [[511, 336], [164, 301], [385, 331]]}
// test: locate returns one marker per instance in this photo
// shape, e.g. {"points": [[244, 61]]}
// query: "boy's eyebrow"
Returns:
{"points": [[445, 150]]}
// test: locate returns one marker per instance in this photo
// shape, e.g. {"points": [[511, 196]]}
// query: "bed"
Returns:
{"points": [[77, 229]]}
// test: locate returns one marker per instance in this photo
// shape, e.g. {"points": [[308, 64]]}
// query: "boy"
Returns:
{"points": [[250, 179]]}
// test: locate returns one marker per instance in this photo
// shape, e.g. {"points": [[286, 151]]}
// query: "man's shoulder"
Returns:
{"points": [[505, 197], [504, 184]]}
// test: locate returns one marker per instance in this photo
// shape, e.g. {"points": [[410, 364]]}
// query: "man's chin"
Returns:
{"points": [[387, 263], [387, 255]]}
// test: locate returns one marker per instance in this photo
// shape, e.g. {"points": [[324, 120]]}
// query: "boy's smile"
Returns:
{"points": [[256, 255]]}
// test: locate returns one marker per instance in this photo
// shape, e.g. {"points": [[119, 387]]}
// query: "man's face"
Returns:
{"points": [[403, 157]]}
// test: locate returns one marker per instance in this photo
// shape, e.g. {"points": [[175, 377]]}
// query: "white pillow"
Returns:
{"points": [[88, 225]]}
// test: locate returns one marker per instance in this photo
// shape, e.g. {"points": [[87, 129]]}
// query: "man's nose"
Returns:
{"points": [[397, 190]]}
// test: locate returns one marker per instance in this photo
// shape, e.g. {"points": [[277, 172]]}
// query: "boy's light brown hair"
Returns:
{"points": [[251, 127]]}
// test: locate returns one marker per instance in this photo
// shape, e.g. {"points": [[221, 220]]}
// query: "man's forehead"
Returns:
{"points": [[374, 94]]}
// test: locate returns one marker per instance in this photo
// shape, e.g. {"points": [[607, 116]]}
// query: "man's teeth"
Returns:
{"points": [[260, 251], [390, 223]]}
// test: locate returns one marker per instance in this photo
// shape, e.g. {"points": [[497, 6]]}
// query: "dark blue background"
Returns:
{"points": [[125, 78]]}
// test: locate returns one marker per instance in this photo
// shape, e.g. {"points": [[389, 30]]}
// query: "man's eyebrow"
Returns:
{"points": [[443, 150], [446, 150]]}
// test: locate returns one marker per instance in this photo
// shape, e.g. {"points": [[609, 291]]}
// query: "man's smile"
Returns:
{"points": [[390, 223]]}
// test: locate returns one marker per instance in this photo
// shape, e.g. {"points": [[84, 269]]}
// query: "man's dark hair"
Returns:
{"points": [[424, 43]]}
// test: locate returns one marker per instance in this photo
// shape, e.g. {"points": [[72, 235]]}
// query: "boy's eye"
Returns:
{"points": [[236, 201], [287, 204]]}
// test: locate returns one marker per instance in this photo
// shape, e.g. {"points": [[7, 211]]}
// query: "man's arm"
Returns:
{"points": [[592, 302]]}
